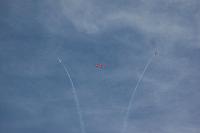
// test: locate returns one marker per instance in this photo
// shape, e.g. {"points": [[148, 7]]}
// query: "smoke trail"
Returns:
{"points": [[125, 121], [82, 125]]}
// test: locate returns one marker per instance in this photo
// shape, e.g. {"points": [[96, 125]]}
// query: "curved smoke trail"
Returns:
{"points": [[82, 125], [125, 121]]}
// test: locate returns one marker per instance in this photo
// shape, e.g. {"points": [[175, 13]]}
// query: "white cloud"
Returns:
{"points": [[89, 17]]}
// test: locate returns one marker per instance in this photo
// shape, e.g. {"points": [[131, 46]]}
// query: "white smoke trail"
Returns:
{"points": [[125, 121], [82, 125]]}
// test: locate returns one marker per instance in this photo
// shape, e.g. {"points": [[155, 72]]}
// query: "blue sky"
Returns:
{"points": [[36, 96]]}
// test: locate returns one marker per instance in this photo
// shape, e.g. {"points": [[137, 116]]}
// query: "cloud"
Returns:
{"points": [[90, 17], [85, 32]]}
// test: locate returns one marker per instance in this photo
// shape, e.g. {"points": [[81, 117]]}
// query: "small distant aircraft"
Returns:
{"points": [[100, 65], [156, 52], [59, 60]]}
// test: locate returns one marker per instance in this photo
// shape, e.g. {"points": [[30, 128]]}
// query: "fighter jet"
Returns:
{"points": [[59, 60], [156, 52]]}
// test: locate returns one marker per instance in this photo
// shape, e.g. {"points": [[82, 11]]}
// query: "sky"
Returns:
{"points": [[36, 95]]}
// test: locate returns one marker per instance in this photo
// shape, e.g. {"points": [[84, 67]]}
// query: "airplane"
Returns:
{"points": [[156, 52], [59, 60], [100, 65]]}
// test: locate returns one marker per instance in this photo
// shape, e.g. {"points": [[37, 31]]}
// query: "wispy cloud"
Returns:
{"points": [[35, 97]]}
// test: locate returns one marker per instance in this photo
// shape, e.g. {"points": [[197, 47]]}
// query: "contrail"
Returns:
{"points": [[125, 121], [82, 125]]}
